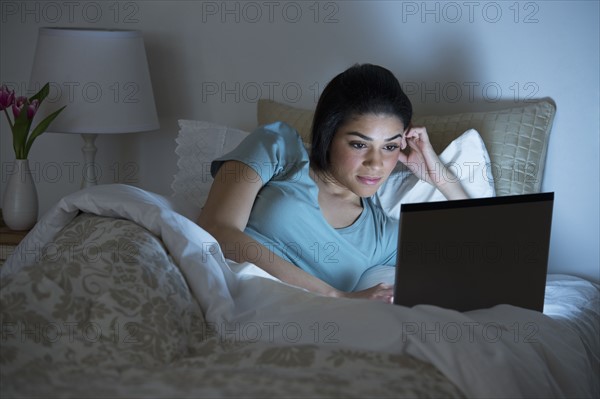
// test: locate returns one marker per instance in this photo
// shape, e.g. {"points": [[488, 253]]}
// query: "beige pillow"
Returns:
{"points": [[516, 138]]}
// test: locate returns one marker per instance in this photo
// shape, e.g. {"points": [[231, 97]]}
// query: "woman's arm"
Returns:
{"points": [[425, 164], [225, 216]]}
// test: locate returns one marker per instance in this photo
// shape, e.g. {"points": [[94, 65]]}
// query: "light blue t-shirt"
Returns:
{"points": [[286, 217]]}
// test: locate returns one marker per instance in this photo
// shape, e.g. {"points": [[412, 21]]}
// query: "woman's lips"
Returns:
{"points": [[369, 180]]}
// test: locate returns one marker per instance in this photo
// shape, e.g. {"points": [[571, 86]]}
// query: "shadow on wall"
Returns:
{"points": [[172, 95], [439, 56]]}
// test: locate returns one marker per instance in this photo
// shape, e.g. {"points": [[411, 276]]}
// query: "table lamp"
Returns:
{"points": [[102, 77]]}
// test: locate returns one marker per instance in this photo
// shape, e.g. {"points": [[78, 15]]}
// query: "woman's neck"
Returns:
{"points": [[330, 188], [340, 206]]}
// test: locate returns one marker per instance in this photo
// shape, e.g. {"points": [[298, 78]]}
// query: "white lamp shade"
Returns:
{"points": [[101, 76]]}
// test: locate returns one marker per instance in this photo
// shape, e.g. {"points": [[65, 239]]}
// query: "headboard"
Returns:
{"points": [[516, 138]]}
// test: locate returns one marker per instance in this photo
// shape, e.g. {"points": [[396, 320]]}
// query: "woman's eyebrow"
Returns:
{"points": [[367, 138]]}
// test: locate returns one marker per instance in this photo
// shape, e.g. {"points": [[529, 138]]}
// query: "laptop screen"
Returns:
{"points": [[474, 253]]}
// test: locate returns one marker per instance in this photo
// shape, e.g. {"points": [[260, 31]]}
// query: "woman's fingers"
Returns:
{"points": [[380, 292], [383, 292]]}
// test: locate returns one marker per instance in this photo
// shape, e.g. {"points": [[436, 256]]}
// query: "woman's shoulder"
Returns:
{"points": [[280, 129], [284, 139]]}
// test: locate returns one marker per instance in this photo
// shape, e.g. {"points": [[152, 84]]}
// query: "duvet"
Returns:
{"points": [[116, 291]]}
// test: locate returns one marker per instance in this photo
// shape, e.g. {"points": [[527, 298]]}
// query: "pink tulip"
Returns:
{"points": [[23, 101], [18, 105], [32, 108], [7, 97], [22, 132]]}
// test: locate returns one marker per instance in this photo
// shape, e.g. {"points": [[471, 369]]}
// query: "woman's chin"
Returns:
{"points": [[367, 192]]}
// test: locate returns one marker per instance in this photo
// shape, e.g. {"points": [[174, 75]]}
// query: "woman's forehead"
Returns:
{"points": [[385, 125]]}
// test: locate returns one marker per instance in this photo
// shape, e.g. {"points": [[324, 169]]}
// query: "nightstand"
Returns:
{"points": [[9, 239]]}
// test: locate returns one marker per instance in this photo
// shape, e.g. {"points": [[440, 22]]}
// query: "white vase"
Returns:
{"points": [[20, 203]]}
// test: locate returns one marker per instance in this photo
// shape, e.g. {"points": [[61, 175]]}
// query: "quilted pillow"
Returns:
{"points": [[516, 138]]}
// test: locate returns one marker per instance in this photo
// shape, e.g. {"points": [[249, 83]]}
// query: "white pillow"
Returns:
{"points": [[466, 157], [198, 143]]}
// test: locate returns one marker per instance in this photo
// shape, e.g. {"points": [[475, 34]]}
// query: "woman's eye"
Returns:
{"points": [[392, 147], [358, 145]]}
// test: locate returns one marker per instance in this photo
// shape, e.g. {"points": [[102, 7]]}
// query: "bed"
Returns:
{"points": [[116, 292]]}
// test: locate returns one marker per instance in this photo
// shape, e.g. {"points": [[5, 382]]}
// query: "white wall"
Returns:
{"points": [[212, 60]]}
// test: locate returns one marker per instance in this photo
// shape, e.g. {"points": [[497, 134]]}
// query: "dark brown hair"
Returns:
{"points": [[359, 90]]}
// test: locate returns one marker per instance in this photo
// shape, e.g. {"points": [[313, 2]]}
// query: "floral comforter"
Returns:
{"points": [[104, 298], [106, 312]]}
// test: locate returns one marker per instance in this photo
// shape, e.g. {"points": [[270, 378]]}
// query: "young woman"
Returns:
{"points": [[309, 220]]}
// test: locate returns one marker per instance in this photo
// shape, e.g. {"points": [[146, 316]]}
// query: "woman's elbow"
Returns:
{"points": [[208, 224], [220, 231]]}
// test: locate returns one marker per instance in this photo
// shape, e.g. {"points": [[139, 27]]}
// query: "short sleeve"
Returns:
{"points": [[271, 151]]}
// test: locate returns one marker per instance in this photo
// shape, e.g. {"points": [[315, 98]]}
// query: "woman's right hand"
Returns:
{"points": [[381, 292]]}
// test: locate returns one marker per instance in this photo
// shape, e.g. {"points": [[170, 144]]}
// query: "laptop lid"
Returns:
{"points": [[474, 253]]}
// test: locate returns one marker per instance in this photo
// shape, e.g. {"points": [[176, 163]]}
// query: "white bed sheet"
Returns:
{"points": [[575, 302], [486, 353]]}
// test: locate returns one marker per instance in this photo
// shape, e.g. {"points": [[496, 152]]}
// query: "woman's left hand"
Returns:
{"points": [[422, 160], [420, 157]]}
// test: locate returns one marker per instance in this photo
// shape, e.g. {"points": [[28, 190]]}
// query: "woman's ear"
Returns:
{"points": [[403, 143]]}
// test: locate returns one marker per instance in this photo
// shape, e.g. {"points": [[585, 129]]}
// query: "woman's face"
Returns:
{"points": [[364, 151]]}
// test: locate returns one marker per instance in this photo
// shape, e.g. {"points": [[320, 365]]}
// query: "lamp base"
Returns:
{"points": [[89, 177]]}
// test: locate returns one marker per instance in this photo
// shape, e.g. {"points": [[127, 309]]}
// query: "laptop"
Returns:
{"points": [[474, 253]]}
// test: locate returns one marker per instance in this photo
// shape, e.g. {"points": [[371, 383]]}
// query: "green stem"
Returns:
{"points": [[8, 119]]}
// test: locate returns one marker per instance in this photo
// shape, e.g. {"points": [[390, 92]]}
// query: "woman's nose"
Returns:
{"points": [[373, 159]]}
